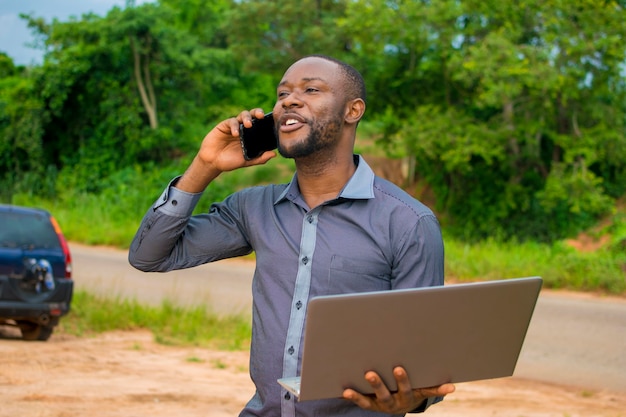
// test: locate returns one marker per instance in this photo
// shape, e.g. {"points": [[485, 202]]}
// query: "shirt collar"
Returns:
{"points": [[360, 185]]}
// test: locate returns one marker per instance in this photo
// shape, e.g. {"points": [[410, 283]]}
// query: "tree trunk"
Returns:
{"points": [[508, 112], [144, 84]]}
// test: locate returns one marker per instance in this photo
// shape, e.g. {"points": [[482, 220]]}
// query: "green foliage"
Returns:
{"points": [[170, 324], [90, 88], [269, 35], [560, 265], [111, 216], [515, 117], [508, 111], [21, 129], [7, 67]]}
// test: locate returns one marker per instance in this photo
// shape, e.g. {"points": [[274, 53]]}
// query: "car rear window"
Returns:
{"points": [[27, 231]]}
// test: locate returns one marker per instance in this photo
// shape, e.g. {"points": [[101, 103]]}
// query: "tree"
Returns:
{"points": [[507, 111], [513, 115], [122, 89], [22, 118], [269, 35]]}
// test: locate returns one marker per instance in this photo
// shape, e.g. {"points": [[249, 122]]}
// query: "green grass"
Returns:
{"points": [[170, 324], [560, 265]]}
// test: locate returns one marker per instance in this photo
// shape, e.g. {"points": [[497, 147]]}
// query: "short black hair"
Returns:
{"points": [[355, 84]]}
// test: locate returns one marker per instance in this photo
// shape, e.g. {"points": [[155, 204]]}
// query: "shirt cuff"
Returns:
{"points": [[175, 202]]}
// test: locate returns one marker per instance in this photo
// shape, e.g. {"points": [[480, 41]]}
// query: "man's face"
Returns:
{"points": [[310, 106]]}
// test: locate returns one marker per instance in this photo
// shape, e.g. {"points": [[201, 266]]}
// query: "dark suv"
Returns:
{"points": [[35, 271]]}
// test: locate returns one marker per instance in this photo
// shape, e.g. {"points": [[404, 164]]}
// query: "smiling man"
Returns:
{"points": [[335, 228]]}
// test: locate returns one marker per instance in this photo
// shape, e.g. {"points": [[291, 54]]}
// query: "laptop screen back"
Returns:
{"points": [[453, 333]]}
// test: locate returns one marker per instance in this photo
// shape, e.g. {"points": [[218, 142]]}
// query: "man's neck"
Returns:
{"points": [[322, 179]]}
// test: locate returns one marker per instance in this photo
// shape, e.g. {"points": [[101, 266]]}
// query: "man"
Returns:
{"points": [[336, 228]]}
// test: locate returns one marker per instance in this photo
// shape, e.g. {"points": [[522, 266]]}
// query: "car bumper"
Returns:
{"points": [[42, 313], [42, 308]]}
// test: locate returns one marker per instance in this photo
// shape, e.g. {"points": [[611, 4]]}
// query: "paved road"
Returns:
{"points": [[573, 339], [225, 285]]}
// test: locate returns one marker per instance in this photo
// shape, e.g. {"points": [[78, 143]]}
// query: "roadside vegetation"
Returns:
{"points": [[510, 122], [594, 260], [601, 269], [169, 323]]}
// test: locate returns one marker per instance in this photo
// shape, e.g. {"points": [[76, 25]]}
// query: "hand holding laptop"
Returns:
{"points": [[478, 335], [404, 400]]}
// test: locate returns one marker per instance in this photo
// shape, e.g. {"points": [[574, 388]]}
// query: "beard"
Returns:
{"points": [[323, 135]]}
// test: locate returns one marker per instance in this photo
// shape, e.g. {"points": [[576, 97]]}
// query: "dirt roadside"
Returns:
{"points": [[128, 374]]}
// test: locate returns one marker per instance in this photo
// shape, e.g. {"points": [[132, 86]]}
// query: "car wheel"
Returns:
{"points": [[34, 331]]}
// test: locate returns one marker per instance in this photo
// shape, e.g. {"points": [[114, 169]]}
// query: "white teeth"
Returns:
{"points": [[291, 122]]}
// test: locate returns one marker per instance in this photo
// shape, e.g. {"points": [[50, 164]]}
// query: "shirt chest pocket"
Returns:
{"points": [[347, 275]]}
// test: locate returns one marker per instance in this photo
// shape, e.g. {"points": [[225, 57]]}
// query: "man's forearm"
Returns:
{"points": [[197, 177]]}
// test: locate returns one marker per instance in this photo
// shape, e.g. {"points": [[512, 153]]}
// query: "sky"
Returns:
{"points": [[14, 34]]}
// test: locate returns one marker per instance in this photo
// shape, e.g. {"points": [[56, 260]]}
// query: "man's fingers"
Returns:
{"points": [[380, 389], [439, 391], [404, 400], [257, 113], [403, 381], [357, 398], [246, 117]]}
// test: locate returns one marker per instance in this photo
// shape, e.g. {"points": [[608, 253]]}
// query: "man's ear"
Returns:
{"points": [[354, 110]]}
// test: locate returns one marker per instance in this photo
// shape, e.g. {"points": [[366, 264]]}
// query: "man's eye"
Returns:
{"points": [[283, 93], [311, 90]]}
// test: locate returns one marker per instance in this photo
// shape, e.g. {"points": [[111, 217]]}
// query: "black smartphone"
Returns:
{"points": [[259, 138]]}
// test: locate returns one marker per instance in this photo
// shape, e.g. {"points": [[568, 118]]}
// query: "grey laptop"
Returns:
{"points": [[452, 333]]}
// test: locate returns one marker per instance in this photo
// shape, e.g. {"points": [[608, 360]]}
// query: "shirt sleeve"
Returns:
{"points": [[419, 257], [170, 238]]}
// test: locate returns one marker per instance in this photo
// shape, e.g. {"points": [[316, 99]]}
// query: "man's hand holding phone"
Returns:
{"points": [[258, 138], [221, 151]]}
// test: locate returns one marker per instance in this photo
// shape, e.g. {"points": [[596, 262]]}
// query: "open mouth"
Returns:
{"points": [[291, 122]]}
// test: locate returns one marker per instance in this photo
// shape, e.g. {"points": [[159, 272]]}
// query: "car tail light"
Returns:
{"points": [[65, 246]]}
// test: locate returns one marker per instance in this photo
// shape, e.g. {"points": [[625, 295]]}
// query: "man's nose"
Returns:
{"points": [[292, 100]]}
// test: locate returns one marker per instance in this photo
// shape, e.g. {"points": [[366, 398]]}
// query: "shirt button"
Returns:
{"points": [[310, 219], [174, 202], [287, 396], [299, 305], [291, 350], [305, 260]]}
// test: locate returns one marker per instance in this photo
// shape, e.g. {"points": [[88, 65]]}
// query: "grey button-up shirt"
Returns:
{"points": [[373, 236]]}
